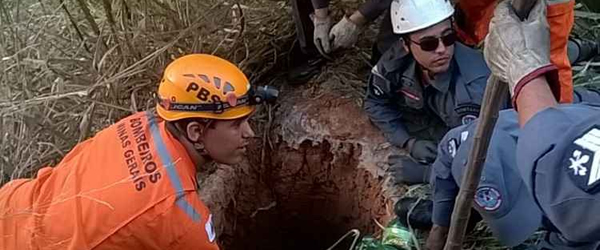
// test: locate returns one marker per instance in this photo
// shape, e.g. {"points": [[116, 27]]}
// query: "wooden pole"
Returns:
{"points": [[493, 97]]}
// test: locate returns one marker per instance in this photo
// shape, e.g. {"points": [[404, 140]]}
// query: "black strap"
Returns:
{"points": [[217, 107]]}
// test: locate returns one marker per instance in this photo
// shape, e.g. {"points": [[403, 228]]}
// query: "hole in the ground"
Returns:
{"points": [[303, 198]]}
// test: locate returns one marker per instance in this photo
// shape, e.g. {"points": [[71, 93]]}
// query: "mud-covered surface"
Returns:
{"points": [[319, 174]]}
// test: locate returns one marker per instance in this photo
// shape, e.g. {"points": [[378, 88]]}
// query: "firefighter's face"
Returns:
{"points": [[433, 48], [226, 141]]}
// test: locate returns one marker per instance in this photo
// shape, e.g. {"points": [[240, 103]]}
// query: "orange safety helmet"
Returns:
{"points": [[203, 86]]}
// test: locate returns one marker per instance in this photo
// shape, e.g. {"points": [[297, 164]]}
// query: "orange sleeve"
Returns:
{"points": [[473, 19], [472, 25], [560, 18], [170, 224]]}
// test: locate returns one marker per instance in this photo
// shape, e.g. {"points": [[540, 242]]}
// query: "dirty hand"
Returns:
{"points": [[518, 51], [321, 34], [423, 151], [344, 34], [406, 171], [437, 238]]}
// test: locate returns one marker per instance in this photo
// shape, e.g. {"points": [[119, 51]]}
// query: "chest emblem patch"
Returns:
{"points": [[488, 198]]}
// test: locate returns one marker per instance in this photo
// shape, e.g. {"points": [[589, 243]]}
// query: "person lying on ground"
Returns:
{"points": [[428, 82], [133, 185]]}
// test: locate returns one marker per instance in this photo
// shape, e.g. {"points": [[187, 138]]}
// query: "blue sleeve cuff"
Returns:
{"points": [[388, 120], [445, 188], [444, 195]]}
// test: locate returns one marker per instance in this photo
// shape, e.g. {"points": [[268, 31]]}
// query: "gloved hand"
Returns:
{"points": [[344, 34], [519, 51], [406, 171], [321, 33], [422, 151]]}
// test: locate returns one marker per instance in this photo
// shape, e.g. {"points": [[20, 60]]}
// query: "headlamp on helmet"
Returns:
{"points": [[206, 86]]}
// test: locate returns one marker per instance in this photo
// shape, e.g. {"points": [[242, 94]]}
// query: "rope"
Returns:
{"points": [[412, 232], [356, 233]]}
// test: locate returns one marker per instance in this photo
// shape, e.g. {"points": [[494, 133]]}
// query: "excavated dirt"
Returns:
{"points": [[319, 174]]}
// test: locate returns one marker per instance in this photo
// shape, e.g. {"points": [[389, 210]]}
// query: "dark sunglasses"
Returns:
{"points": [[432, 43]]}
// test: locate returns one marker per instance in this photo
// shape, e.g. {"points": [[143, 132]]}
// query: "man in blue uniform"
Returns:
{"points": [[556, 152], [404, 170], [502, 199], [426, 84]]}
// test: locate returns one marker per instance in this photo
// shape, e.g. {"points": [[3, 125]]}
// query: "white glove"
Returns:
{"points": [[519, 51], [344, 34], [321, 34]]}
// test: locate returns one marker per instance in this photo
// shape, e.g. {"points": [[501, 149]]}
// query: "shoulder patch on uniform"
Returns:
{"points": [[210, 229], [582, 160], [377, 91], [488, 198], [464, 136], [452, 146], [466, 119], [375, 70]]}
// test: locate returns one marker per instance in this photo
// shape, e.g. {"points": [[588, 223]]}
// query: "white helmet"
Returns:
{"points": [[413, 15]]}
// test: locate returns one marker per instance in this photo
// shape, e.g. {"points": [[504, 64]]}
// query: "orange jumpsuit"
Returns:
{"points": [[132, 186], [560, 16]]}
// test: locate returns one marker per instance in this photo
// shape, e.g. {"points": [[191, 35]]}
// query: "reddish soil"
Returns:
{"points": [[321, 175]]}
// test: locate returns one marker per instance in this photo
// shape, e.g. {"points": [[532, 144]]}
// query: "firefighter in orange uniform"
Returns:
{"points": [[133, 185]]}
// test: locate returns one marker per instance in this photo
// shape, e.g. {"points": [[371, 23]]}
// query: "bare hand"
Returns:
{"points": [[437, 238]]}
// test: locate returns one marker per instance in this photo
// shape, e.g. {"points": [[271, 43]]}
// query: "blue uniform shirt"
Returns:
{"points": [[558, 157], [501, 197], [396, 95]]}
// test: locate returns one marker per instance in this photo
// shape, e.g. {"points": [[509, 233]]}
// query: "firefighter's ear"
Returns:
{"points": [[194, 131]]}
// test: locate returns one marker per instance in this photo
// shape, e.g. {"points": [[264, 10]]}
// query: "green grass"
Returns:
{"points": [[587, 26]]}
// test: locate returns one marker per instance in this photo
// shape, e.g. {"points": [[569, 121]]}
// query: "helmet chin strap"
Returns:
{"points": [[199, 157]]}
